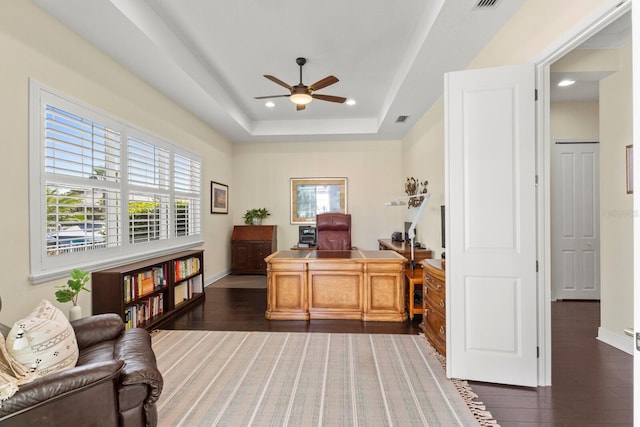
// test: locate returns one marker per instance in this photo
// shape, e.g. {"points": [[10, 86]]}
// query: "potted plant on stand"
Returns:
{"points": [[69, 292], [255, 216]]}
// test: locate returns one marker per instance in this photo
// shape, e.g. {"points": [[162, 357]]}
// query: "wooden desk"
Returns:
{"points": [[404, 249], [414, 280], [300, 248], [355, 284]]}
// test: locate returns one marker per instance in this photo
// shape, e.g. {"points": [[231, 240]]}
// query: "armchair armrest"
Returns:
{"points": [[97, 328], [134, 347], [59, 384]]}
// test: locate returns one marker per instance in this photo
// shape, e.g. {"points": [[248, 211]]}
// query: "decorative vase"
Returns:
{"points": [[75, 313], [256, 221]]}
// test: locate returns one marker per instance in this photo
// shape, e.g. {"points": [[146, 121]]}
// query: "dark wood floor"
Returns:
{"points": [[592, 381]]}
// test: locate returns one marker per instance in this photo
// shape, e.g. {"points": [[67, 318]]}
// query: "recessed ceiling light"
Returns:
{"points": [[566, 82], [270, 104], [351, 102]]}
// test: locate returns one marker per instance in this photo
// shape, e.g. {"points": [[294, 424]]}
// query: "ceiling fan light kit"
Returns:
{"points": [[301, 94], [300, 98]]}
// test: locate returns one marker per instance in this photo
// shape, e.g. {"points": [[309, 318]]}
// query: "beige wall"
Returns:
{"points": [[423, 158], [36, 46], [616, 206], [533, 30], [575, 120], [261, 173]]}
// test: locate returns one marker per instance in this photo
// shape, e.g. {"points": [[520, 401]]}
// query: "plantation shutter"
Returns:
{"points": [[149, 183], [186, 179], [82, 164]]}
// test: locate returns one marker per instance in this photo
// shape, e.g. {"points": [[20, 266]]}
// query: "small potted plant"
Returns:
{"points": [[255, 216], [69, 292]]}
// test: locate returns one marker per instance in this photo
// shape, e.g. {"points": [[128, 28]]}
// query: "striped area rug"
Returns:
{"points": [[303, 379]]}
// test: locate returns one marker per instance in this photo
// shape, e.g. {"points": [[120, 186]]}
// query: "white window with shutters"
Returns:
{"points": [[103, 192]]}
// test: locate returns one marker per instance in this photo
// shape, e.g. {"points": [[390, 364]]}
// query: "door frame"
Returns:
{"points": [[598, 20]]}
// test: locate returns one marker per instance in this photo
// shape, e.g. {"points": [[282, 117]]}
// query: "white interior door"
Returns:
{"points": [[636, 219], [575, 237], [491, 208]]}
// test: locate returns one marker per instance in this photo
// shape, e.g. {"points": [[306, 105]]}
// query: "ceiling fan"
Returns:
{"points": [[300, 94]]}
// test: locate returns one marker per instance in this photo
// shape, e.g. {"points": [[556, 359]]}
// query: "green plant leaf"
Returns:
{"points": [[75, 284]]}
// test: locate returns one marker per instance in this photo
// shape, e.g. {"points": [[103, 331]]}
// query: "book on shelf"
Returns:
{"points": [[128, 295], [138, 314], [160, 276], [144, 283], [196, 285], [180, 293], [186, 267], [184, 290]]}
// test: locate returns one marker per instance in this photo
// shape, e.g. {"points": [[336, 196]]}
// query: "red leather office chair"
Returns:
{"points": [[333, 231]]}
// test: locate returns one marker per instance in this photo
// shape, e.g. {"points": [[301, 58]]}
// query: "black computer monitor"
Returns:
{"points": [[307, 235]]}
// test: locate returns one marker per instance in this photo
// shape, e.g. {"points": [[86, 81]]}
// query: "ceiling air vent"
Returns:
{"points": [[486, 4], [401, 119]]}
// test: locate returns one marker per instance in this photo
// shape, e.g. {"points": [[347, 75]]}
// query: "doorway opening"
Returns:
{"points": [[609, 35]]}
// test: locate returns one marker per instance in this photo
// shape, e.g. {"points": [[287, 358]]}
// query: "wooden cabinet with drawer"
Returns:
{"points": [[250, 245], [434, 304]]}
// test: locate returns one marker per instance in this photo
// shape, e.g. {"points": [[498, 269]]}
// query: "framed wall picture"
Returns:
{"points": [[219, 198], [629, 169], [312, 196]]}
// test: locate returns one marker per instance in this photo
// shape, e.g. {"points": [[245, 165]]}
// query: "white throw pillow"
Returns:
{"points": [[43, 342]]}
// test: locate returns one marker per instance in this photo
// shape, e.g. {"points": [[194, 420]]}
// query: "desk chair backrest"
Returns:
{"points": [[333, 231]]}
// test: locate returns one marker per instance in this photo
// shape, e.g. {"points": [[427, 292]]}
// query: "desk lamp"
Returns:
{"points": [[400, 201]]}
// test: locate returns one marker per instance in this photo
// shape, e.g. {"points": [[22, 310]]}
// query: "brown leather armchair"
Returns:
{"points": [[115, 383], [333, 231]]}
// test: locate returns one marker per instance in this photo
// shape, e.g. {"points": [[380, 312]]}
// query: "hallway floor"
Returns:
{"points": [[592, 382]]}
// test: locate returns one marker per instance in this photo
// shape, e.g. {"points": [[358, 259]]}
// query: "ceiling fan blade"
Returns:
{"points": [[278, 81], [300, 107], [327, 81], [329, 98], [271, 96]]}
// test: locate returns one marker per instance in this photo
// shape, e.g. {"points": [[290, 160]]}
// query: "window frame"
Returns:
{"points": [[43, 267]]}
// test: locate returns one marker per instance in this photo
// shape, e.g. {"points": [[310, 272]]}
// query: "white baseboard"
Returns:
{"points": [[209, 280], [619, 341]]}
